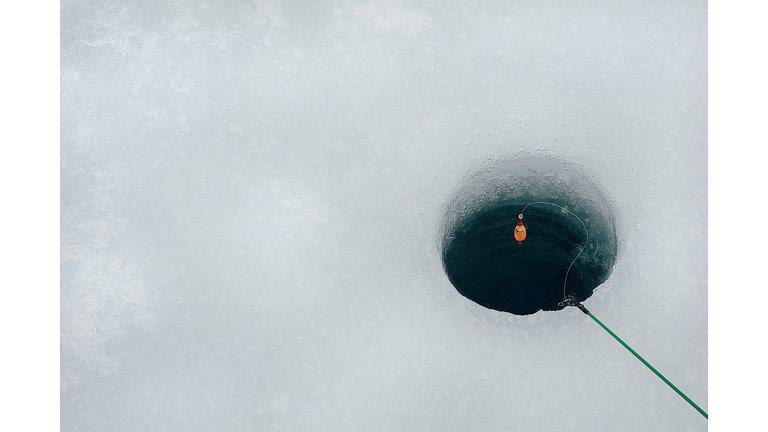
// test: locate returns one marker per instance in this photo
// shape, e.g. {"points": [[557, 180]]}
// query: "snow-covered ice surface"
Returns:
{"points": [[250, 204]]}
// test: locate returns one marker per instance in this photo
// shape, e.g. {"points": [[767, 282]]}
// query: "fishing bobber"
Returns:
{"points": [[520, 230]]}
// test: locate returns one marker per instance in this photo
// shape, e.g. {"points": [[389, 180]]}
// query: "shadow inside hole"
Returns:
{"points": [[487, 265]]}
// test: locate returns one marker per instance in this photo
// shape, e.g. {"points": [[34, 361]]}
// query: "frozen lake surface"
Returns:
{"points": [[251, 199]]}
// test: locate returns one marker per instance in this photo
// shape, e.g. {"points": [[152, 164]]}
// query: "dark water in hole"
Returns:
{"points": [[486, 264]]}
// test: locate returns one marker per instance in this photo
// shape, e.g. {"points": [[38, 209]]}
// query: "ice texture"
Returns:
{"points": [[251, 196]]}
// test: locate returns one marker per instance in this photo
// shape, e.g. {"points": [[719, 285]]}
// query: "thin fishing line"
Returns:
{"points": [[565, 281]]}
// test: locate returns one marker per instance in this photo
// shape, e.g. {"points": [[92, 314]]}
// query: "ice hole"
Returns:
{"points": [[487, 265]]}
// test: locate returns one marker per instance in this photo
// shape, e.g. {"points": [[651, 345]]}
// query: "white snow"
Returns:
{"points": [[251, 195]]}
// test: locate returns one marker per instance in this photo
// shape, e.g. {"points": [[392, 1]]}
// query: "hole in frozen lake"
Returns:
{"points": [[487, 265]]}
